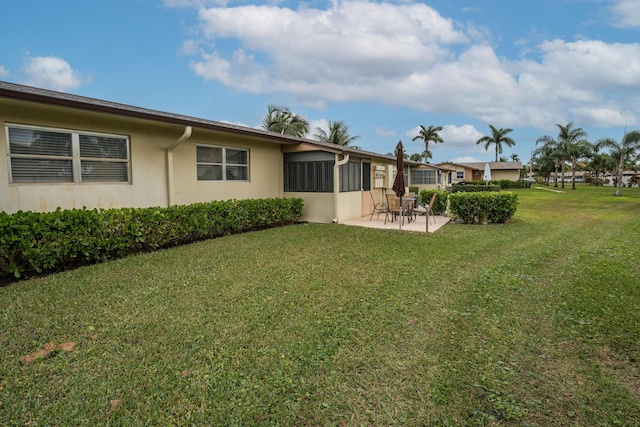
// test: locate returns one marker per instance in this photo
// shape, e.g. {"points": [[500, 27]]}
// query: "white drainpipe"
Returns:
{"points": [[336, 184], [170, 187]]}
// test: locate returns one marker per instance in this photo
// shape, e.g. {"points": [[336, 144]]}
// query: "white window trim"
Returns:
{"points": [[75, 157], [224, 163]]}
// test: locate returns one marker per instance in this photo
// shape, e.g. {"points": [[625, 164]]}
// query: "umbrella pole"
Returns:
{"points": [[401, 212]]}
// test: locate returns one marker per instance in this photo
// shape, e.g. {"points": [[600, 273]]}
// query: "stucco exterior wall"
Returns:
{"points": [[512, 175], [349, 205], [148, 142], [265, 170], [318, 207]]}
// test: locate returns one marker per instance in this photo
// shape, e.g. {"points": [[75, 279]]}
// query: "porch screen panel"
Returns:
{"points": [[350, 176], [310, 172], [366, 176], [423, 177]]}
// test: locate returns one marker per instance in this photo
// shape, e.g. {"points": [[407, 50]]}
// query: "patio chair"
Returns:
{"points": [[393, 208], [378, 206], [429, 207], [426, 209]]}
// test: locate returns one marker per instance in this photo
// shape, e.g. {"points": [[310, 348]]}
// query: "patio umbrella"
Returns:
{"points": [[398, 183], [487, 173]]}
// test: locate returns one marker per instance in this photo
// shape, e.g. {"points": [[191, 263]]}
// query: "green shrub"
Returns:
{"points": [[414, 190], [439, 205], [34, 243], [470, 207], [474, 187]]}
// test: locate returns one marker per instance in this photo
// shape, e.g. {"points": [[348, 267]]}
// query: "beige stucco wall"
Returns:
{"points": [[512, 175], [148, 161], [265, 170], [349, 205], [318, 207]]}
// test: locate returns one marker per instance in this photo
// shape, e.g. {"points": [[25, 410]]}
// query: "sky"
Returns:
{"points": [[384, 68]]}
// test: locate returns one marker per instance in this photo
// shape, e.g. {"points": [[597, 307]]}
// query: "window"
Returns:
{"points": [[350, 176], [423, 176], [310, 172], [459, 174], [222, 163], [45, 155]]}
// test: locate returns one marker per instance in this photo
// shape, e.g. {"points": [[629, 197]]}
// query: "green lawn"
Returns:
{"points": [[535, 322]]}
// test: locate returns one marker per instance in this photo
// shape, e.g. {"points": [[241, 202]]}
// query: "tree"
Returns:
{"points": [[567, 135], [576, 151], [503, 159], [515, 157], [623, 151], [427, 135], [283, 121], [498, 137], [600, 163], [416, 157], [338, 134], [547, 160]]}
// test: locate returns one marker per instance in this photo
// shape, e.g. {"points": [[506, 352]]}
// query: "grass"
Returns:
{"points": [[535, 322]]}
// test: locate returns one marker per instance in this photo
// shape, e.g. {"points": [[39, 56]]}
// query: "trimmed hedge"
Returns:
{"points": [[34, 243], [502, 183], [439, 205], [470, 207], [474, 188]]}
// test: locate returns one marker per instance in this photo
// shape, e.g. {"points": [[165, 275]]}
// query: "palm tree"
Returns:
{"points": [[566, 136], [622, 151], [576, 151], [283, 121], [547, 160], [515, 157], [338, 134], [429, 134], [498, 137], [600, 163], [416, 157]]}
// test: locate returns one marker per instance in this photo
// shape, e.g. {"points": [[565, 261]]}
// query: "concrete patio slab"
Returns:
{"points": [[417, 225]]}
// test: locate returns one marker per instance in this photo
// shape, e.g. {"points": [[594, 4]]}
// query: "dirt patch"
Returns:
{"points": [[47, 351], [627, 371]]}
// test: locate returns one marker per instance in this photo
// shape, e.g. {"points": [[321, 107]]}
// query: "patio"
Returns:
{"points": [[417, 225]]}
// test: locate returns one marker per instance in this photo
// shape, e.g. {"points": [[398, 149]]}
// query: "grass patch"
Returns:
{"points": [[534, 322]]}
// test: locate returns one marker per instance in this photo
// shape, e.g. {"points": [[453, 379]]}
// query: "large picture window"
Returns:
{"points": [[423, 177], [46, 155], [222, 163]]}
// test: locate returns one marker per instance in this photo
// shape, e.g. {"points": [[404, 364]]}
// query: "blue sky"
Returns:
{"points": [[383, 67]]}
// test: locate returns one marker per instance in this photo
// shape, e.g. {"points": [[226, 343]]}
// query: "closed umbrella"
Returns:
{"points": [[487, 173], [398, 183]]}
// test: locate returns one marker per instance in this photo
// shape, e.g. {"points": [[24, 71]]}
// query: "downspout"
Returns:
{"points": [[170, 185], [336, 184]]}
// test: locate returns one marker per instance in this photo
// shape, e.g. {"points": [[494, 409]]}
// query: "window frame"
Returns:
{"points": [[224, 164], [458, 173], [419, 177], [75, 158]]}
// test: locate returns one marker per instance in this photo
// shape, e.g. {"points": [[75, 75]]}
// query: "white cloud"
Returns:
{"points": [[460, 136], [3, 71], [466, 159], [626, 13], [408, 55], [383, 131], [53, 73]]}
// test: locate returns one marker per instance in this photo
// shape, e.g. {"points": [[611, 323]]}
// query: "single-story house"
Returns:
{"points": [[66, 151], [475, 171]]}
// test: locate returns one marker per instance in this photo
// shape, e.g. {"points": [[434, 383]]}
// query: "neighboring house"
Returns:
{"points": [[475, 171], [65, 151]]}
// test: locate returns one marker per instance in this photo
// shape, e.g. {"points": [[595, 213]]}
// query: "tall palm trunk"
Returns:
{"points": [[620, 173]]}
